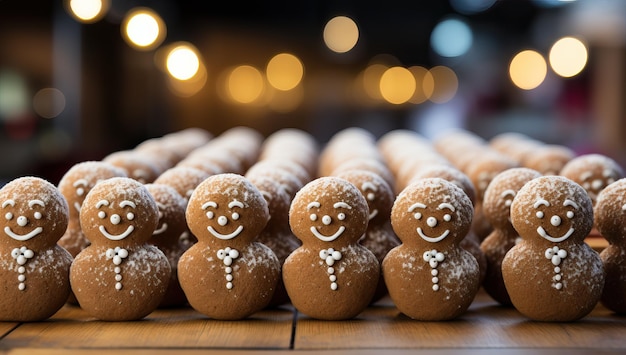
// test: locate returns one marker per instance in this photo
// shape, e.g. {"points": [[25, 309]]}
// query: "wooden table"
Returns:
{"points": [[486, 328]]}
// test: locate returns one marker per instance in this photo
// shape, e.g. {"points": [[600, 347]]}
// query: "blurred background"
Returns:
{"points": [[80, 79]]}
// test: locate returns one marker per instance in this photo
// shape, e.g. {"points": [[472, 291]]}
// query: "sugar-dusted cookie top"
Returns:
{"points": [[329, 210], [184, 179], [119, 211], [34, 214], [431, 212], [227, 209], [593, 172], [140, 167], [552, 209]]}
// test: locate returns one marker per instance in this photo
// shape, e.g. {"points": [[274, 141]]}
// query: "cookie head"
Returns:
{"points": [[119, 210], [501, 192], [226, 207], [432, 211], [552, 209], [610, 212], [171, 208], [376, 191], [329, 210], [593, 172], [34, 213], [81, 178]]}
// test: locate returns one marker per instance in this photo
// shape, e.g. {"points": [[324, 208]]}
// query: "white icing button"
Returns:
{"points": [[229, 277], [558, 286], [433, 263], [21, 278], [117, 270], [557, 277], [228, 261], [21, 269], [228, 270], [332, 278], [333, 286], [118, 286], [435, 280], [229, 285], [557, 269], [21, 286], [435, 287], [331, 270], [118, 277], [434, 272]]}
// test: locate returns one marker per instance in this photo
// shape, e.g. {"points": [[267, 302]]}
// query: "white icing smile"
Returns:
{"points": [[373, 214], [160, 230], [329, 238], [432, 239], [542, 232], [23, 237], [110, 236], [219, 235]]}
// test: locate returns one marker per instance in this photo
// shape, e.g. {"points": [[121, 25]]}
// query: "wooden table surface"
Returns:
{"points": [[486, 328]]}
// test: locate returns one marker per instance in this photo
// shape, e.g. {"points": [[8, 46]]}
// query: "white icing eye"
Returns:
{"points": [[102, 214], [116, 219], [597, 184], [8, 216], [326, 220], [80, 191], [235, 216], [432, 222], [555, 221], [38, 215], [507, 203], [210, 215], [371, 196], [22, 221], [222, 220], [417, 215], [570, 214], [341, 216], [313, 217], [539, 214], [447, 217], [130, 216]]}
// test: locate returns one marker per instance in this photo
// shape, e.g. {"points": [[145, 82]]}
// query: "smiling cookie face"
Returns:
{"points": [[376, 191], [593, 172], [171, 212], [34, 213], [119, 209], [552, 209], [329, 209], [432, 211], [226, 207], [81, 178]]}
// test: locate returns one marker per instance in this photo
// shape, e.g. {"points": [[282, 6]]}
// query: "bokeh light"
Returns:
{"points": [[440, 84], [143, 29], [49, 102], [182, 62], [14, 96], [420, 95], [451, 37], [341, 34], [371, 80], [245, 84], [568, 57], [397, 85], [87, 11], [284, 71], [469, 7], [528, 69]]}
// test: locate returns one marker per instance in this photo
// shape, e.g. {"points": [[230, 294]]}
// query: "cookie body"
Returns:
{"points": [[34, 271], [551, 274]]}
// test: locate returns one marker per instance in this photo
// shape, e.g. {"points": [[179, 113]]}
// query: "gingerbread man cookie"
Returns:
{"points": [[330, 276], [379, 237], [75, 185], [227, 274], [429, 276], [496, 207], [593, 172], [609, 212], [119, 276], [34, 270], [167, 237], [552, 274]]}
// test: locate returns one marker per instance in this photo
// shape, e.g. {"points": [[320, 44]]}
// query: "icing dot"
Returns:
{"points": [[557, 269], [555, 221], [570, 214], [447, 217], [80, 191], [210, 215], [313, 217], [22, 221], [435, 280], [229, 277], [118, 286], [21, 269], [235, 216], [439, 257], [433, 263], [115, 219], [38, 215], [431, 222], [228, 270], [118, 277], [434, 272], [558, 286], [229, 285], [228, 261], [597, 184], [557, 277], [417, 215], [341, 216], [21, 277], [326, 220], [130, 216], [222, 220], [507, 203], [117, 270], [333, 286], [371, 196], [332, 278], [21, 286], [331, 270], [8, 216], [539, 214], [435, 287]]}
